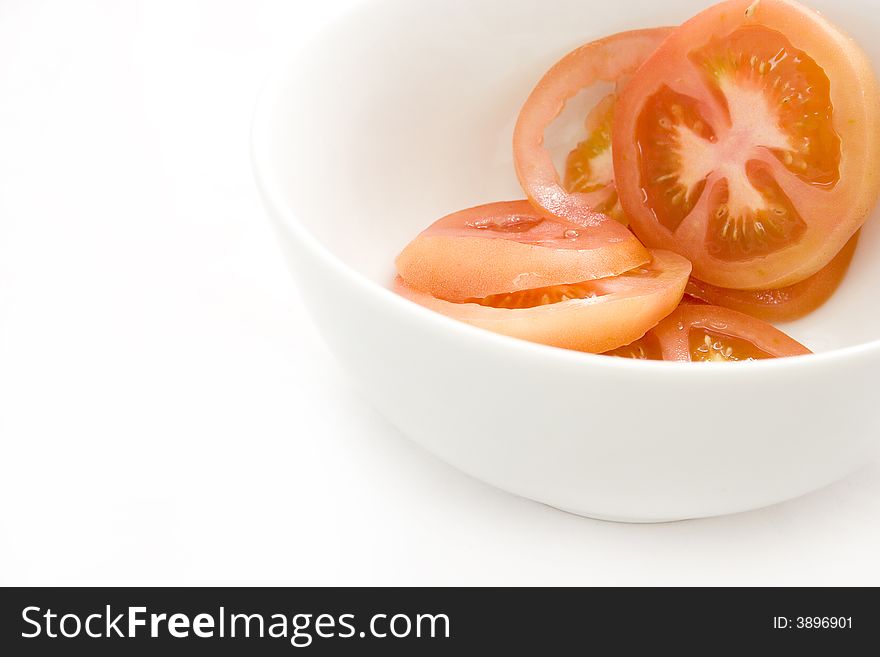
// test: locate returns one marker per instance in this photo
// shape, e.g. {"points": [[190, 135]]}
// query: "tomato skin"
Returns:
{"points": [[785, 304], [831, 214], [626, 307], [509, 246], [612, 59]]}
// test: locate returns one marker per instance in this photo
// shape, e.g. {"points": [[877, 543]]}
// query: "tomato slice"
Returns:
{"points": [[700, 333], [749, 142], [587, 191], [592, 316], [784, 304], [507, 247]]}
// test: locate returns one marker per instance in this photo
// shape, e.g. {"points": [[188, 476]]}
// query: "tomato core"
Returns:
{"points": [[706, 157]]}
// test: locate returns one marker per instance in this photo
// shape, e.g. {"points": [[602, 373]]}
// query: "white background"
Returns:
{"points": [[168, 414]]}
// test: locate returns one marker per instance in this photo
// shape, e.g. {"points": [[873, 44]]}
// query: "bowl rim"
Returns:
{"points": [[268, 184]]}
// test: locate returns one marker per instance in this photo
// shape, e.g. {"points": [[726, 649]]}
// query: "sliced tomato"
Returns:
{"points": [[749, 142], [507, 247], [587, 192], [701, 333], [784, 304], [592, 316]]}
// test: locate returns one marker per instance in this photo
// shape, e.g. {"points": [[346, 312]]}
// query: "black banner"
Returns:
{"points": [[431, 621]]}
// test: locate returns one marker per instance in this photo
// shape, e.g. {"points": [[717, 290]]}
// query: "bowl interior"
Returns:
{"points": [[403, 111]]}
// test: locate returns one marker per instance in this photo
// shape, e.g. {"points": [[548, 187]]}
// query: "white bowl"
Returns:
{"points": [[401, 112]]}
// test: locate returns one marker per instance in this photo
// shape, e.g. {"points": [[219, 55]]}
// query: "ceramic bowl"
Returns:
{"points": [[400, 112]]}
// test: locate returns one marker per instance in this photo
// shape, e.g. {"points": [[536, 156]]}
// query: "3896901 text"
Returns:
{"points": [[812, 623]]}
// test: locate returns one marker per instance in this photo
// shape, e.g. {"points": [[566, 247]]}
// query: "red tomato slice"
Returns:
{"points": [[784, 304], [507, 247], [749, 142], [700, 333], [588, 190], [592, 316]]}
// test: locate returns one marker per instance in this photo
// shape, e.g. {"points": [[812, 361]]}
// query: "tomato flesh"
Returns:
{"points": [[757, 66], [703, 333], [645, 348], [712, 346], [507, 247], [749, 142], [589, 168], [541, 296], [749, 214]]}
